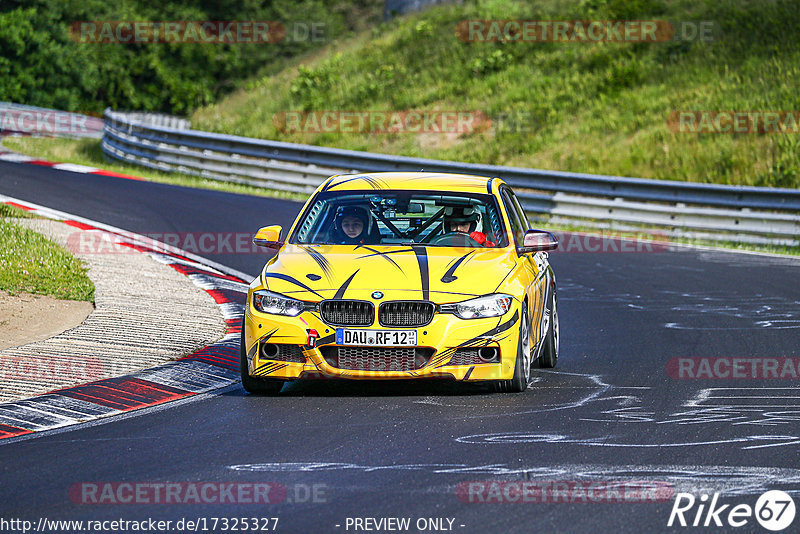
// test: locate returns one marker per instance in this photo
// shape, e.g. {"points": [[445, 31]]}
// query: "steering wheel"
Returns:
{"points": [[455, 239]]}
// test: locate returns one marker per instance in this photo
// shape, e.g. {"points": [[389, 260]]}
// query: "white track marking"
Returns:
{"points": [[121, 416], [74, 167], [15, 158], [193, 376]]}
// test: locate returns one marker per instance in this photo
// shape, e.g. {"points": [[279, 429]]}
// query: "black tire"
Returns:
{"points": [[549, 356], [519, 382], [263, 386]]}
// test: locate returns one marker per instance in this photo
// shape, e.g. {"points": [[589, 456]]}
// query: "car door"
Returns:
{"points": [[534, 265]]}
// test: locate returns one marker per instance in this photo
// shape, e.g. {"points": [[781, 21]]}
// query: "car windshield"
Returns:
{"points": [[402, 218]]}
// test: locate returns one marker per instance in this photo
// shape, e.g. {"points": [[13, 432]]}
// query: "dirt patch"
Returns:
{"points": [[26, 318]]}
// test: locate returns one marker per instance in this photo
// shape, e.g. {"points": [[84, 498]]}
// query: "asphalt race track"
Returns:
{"points": [[610, 411]]}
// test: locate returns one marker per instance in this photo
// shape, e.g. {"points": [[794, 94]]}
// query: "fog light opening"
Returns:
{"points": [[269, 350], [420, 358], [488, 354]]}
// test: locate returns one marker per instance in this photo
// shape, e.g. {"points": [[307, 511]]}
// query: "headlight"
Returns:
{"points": [[276, 304], [481, 307]]}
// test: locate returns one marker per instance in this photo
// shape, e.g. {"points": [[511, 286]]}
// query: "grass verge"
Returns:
{"points": [[11, 211], [594, 107], [31, 263]]}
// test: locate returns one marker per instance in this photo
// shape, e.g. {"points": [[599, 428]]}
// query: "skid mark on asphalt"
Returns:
{"points": [[745, 312], [590, 398], [740, 312], [709, 408], [727, 480], [768, 407], [608, 441], [577, 381]]}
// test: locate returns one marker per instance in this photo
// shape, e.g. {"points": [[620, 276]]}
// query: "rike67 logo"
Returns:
{"points": [[774, 510]]}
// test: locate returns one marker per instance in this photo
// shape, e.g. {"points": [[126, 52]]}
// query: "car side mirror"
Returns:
{"points": [[537, 241], [269, 237]]}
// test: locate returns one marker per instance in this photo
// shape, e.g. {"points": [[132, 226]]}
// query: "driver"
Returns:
{"points": [[465, 221]]}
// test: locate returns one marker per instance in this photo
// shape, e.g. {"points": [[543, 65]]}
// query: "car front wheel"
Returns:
{"points": [[522, 365], [549, 356]]}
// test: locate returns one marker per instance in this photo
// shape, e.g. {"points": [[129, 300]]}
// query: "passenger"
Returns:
{"points": [[351, 226], [465, 221]]}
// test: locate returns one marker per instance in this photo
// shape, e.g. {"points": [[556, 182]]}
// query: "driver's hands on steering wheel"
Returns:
{"points": [[457, 239], [480, 237]]}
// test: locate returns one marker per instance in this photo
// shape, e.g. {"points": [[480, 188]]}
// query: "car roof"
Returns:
{"points": [[421, 181]]}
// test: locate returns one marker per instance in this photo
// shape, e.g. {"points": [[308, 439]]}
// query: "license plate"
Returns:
{"points": [[376, 338]]}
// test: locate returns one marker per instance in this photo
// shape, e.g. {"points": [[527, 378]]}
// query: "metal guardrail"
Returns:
{"points": [[159, 119], [681, 209]]}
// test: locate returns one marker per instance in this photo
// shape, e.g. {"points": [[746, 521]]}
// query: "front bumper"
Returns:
{"points": [[444, 336]]}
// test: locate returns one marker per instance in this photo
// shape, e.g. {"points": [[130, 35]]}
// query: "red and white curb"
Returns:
{"points": [[16, 157], [207, 369]]}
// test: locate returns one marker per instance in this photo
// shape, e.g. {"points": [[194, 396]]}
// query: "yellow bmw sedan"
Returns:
{"points": [[403, 276]]}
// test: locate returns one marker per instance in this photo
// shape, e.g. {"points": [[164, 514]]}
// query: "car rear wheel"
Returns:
{"points": [[549, 356], [522, 365], [264, 386]]}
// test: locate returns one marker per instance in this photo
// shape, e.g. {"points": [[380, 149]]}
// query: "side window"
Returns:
{"points": [[520, 211], [495, 226], [517, 226]]}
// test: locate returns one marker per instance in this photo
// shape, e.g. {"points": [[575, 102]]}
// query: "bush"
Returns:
{"points": [[41, 65]]}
